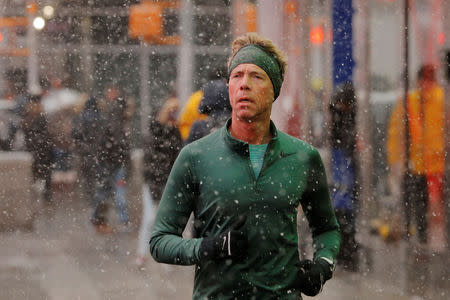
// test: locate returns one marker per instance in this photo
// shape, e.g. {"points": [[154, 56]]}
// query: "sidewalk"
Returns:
{"points": [[63, 258]]}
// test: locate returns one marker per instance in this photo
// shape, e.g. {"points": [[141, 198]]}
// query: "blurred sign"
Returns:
{"points": [[316, 35], [251, 17], [245, 17], [32, 7], [13, 22], [9, 26], [146, 21]]}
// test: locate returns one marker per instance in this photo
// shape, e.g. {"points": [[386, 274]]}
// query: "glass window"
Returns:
{"points": [[213, 29], [122, 69], [98, 3], [163, 75], [212, 2], [206, 66], [110, 30], [63, 30]]}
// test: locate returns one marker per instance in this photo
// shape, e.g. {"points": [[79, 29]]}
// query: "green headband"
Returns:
{"points": [[254, 54]]}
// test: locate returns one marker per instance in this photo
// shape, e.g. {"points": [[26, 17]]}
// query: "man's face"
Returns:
{"points": [[111, 93], [425, 83], [251, 93]]}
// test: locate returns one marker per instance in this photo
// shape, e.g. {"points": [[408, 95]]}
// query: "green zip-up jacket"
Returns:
{"points": [[213, 178]]}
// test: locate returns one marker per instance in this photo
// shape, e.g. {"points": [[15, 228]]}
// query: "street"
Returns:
{"points": [[64, 258]]}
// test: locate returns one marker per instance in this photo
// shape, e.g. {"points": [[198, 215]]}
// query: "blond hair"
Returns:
{"points": [[268, 45]]}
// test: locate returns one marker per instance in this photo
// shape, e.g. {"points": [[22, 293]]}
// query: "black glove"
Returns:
{"points": [[230, 244], [312, 275]]}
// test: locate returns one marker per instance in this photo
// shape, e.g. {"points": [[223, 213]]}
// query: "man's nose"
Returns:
{"points": [[245, 84]]}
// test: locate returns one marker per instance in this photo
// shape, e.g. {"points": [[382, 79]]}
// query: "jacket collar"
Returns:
{"points": [[241, 147]]}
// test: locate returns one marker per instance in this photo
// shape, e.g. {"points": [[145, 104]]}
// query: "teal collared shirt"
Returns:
{"points": [[257, 153]]}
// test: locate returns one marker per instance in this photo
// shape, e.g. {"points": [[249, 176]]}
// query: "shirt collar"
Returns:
{"points": [[241, 147]]}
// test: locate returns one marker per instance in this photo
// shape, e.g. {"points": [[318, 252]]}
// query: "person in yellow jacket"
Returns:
{"points": [[190, 114], [422, 181]]}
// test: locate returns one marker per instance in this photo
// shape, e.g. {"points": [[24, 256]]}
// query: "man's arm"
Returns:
{"points": [[166, 243], [317, 206]]}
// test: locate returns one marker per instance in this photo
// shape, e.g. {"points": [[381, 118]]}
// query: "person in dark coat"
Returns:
{"points": [[216, 104], [344, 171], [161, 148], [38, 142], [85, 132], [113, 158]]}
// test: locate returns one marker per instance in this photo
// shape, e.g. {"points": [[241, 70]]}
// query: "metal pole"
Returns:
{"points": [[273, 11], [305, 102], [327, 78], [144, 90], [86, 54], [33, 70], [446, 185], [364, 118], [406, 79], [186, 53]]}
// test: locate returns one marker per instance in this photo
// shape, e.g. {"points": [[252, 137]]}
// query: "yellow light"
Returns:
{"points": [[48, 11], [38, 23]]}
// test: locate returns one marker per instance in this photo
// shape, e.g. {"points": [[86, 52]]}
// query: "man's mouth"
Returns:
{"points": [[244, 100]]}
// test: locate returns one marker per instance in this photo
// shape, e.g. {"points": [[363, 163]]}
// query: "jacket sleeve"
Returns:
{"points": [[166, 243], [317, 206]]}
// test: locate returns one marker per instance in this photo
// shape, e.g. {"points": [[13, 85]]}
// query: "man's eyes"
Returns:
{"points": [[255, 75]]}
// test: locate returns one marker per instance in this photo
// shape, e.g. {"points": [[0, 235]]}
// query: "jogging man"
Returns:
{"points": [[244, 183]]}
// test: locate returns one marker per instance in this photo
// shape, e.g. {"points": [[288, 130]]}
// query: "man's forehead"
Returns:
{"points": [[249, 68]]}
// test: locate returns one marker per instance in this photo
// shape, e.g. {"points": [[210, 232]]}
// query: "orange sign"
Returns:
{"points": [[145, 20], [13, 21], [32, 8], [251, 17]]}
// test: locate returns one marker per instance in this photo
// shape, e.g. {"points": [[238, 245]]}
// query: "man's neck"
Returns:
{"points": [[256, 133]]}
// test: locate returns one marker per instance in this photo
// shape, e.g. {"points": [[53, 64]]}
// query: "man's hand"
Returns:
{"points": [[312, 275], [230, 244]]}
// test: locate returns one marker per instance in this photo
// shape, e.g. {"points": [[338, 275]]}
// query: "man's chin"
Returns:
{"points": [[245, 117]]}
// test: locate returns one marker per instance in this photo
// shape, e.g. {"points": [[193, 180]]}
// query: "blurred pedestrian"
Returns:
{"points": [[86, 130], [344, 175], [190, 113], [60, 120], [38, 142], [160, 151], [423, 177], [17, 92], [216, 104], [244, 183], [113, 160]]}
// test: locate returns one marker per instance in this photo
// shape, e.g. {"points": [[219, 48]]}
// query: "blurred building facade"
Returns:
{"points": [[94, 42], [89, 43]]}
